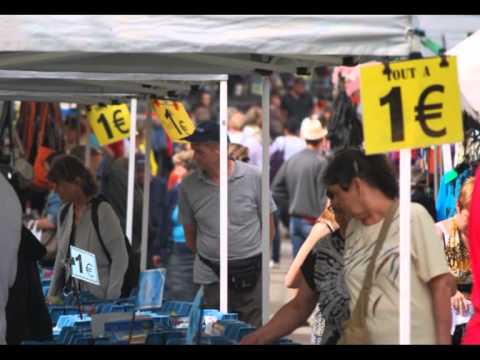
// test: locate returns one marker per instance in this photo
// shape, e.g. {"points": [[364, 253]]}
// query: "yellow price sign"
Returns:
{"points": [[110, 123], [174, 119], [410, 104]]}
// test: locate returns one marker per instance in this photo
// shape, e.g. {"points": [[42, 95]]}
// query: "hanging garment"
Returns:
{"points": [[472, 334], [345, 128], [448, 194]]}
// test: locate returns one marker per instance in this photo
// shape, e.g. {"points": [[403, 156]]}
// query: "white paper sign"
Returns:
{"points": [[459, 318], [84, 265], [32, 225]]}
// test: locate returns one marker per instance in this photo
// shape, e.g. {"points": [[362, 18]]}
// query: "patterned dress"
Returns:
{"points": [[323, 269]]}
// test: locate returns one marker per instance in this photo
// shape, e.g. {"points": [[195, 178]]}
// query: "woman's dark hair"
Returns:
{"points": [[50, 158], [70, 169], [375, 170]]}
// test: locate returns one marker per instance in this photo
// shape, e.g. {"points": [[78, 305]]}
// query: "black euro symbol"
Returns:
{"points": [[119, 122], [168, 115], [421, 108]]}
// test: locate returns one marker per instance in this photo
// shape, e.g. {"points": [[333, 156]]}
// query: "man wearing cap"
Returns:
{"points": [[299, 184], [199, 200]]}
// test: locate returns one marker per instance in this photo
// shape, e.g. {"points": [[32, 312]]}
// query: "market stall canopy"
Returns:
{"points": [[468, 63], [196, 44], [453, 28], [84, 87]]}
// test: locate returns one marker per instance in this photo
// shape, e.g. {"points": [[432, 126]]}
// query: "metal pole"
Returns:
{"points": [[266, 200], [223, 199], [146, 189], [88, 145], [447, 158], [435, 173], [131, 168], [405, 261]]}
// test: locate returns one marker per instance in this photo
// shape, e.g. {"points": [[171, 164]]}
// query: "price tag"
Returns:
{"points": [[410, 104], [84, 265], [174, 119], [110, 123]]}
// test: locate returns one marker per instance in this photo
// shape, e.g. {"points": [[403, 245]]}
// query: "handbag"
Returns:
{"points": [[43, 151], [355, 331]]}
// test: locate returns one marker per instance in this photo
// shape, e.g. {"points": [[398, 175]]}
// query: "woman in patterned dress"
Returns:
{"points": [[454, 235], [317, 276]]}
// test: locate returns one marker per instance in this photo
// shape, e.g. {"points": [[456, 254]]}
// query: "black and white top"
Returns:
{"points": [[324, 272]]}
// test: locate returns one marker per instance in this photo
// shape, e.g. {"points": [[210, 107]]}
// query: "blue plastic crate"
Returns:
{"points": [[180, 308], [103, 308], [163, 337], [33, 342], [56, 310], [244, 332], [66, 335], [122, 308], [234, 331], [175, 341], [216, 340]]}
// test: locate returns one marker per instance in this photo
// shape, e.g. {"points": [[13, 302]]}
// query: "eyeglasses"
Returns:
{"points": [[245, 159]]}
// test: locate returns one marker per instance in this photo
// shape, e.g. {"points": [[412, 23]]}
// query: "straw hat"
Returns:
{"points": [[312, 129]]}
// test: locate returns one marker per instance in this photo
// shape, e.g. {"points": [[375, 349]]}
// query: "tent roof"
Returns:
{"points": [[454, 28], [195, 44], [92, 87]]}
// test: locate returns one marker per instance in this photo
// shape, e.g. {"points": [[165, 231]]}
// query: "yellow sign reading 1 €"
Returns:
{"points": [[410, 104], [110, 123], [174, 119]]}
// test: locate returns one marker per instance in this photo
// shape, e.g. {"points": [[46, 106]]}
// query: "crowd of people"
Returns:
{"points": [[339, 206]]}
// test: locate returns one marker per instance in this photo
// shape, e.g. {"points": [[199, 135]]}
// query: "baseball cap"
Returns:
{"points": [[208, 131]]}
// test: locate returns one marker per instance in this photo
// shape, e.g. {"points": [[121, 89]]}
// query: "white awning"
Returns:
{"points": [[195, 44]]}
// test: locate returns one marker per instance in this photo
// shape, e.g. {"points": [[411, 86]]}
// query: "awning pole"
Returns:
{"points": [[435, 173], [87, 145], [405, 246], [223, 199], [146, 188], [266, 200], [131, 168]]}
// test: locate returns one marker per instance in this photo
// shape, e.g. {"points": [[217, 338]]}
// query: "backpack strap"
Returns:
{"points": [[64, 212], [95, 203]]}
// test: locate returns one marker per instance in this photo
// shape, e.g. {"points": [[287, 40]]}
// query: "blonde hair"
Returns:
{"points": [[254, 116], [327, 215], [237, 151], [466, 193], [236, 120], [182, 157]]}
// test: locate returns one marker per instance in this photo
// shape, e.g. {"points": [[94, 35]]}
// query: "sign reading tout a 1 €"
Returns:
{"points": [[410, 104]]}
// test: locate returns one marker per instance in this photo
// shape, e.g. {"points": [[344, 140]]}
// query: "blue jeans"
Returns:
{"points": [[276, 239], [179, 284], [299, 230]]}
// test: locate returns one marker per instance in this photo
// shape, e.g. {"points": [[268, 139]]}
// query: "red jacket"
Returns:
{"points": [[472, 333]]}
